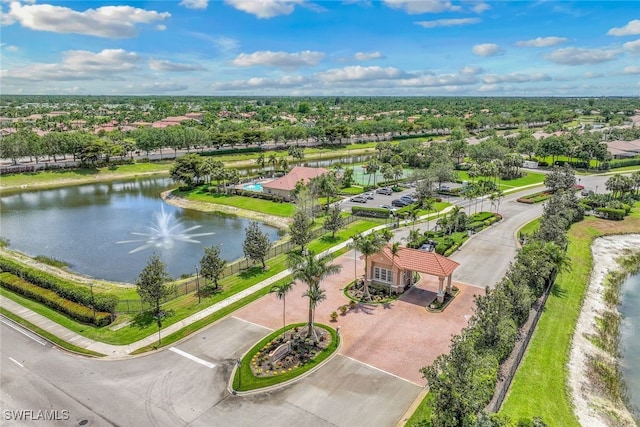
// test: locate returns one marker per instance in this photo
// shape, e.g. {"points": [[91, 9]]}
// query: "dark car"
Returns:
{"points": [[408, 199], [399, 203], [385, 190], [358, 199]]}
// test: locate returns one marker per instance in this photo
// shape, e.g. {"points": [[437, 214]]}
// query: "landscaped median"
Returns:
{"points": [[280, 359]]}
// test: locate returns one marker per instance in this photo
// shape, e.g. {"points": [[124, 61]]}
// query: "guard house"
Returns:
{"points": [[396, 272]]}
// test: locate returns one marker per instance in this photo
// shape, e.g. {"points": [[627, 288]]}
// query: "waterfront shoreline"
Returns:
{"points": [[590, 407]]}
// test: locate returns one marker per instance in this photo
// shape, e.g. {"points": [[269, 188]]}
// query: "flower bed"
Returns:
{"points": [[379, 295], [252, 373], [301, 350], [535, 197]]}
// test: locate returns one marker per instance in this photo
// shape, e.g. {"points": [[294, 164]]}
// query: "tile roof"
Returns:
{"points": [[298, 173], [421, 261]]}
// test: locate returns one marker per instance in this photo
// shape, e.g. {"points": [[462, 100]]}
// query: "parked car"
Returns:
{"points": [[399, 203], [445, 188], [587, 192], [391, 208], [358, 199], [385, 190], [369, 196], [427, 247], [408, 199]]}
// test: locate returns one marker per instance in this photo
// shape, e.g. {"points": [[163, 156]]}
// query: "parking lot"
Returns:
{"points": [[378, 199]]}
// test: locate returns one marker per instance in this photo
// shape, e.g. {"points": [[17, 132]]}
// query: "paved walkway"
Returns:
{"points": [[120, 351]]}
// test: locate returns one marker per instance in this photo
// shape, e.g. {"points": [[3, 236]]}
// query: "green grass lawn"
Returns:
{"points": [[76, 174], [187, 305], [530, 227], [242, 202], [529, 179], [540, 385]]}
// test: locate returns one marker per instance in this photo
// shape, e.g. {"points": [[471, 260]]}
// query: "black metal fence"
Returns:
{"points": [[191, 285], [513, 362]]}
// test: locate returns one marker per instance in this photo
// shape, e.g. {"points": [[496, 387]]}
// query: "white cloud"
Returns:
{"points": [[9, 47], [161, 27], [416, 7], [514, 78], [466, 76], [633, 46], [160, 87], [632, 28], [479, 7], [107, 21], [542, 42], [631, 69], [359, 73], [306, 58], [367, 56], [195, 4], [577, 56], [592, 75], [265, 8], [448, 22], [79, 65], [489, 88], [164, 65], [486, 49], [260, 83]]}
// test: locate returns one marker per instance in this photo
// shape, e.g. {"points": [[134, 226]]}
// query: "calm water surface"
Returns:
{"points": [[630, 339], [82, 225]]}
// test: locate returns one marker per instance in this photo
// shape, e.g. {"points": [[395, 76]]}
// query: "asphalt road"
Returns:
{"points": [[188, 387]]}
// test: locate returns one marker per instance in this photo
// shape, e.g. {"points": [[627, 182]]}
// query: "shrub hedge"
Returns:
{"points": [[49, 298], [611, 213], [370, 212], [78, 293]]}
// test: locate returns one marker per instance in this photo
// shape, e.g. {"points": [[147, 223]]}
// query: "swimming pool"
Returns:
{"points": [[253, 187]]}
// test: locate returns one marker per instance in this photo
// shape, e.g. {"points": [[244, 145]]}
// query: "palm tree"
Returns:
{"points": [[558, 257], [316, 295], [428, 204], [311, 270], [273, 161], [281, 291], [395, 248], [368, 245], [260, 161]]}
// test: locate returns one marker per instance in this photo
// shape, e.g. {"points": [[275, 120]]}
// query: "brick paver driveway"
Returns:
{"points": [[398, 338]]}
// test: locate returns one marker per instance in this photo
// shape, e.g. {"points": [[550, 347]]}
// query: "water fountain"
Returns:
{"points": [[165, 230]]}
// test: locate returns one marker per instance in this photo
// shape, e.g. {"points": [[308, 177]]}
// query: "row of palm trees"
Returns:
{"points": [[312, 270]]}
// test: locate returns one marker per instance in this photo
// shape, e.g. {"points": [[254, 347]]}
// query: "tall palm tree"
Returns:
{"points": [[395, 248], [260, 161], [428, 204], [311, 270], [281, 290], [368, 245], [558, 257], [273, 161], [316, 295]]}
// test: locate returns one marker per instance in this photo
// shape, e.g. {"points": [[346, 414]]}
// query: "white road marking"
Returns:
{"points": [[26, 334], [192, 357], [16, 362]]}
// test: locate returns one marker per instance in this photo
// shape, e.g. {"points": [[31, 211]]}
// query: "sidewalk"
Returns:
{"points": [[121, 351]]}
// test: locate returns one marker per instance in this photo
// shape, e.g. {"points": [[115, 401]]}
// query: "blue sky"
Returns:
{"points": [[301, 47]]}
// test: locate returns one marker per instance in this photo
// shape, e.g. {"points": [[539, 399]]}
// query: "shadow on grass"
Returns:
{"points": [[146, 318], [251, 272], [558, 291], [330, 239]]}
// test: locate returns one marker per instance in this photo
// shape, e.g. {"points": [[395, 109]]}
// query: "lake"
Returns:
{"points": [[83, 225]]}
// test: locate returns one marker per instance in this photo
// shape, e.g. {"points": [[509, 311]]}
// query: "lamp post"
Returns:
{"points": [[198, 283], [93, 304], [239, 365]]}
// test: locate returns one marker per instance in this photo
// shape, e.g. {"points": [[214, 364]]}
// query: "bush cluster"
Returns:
{"points": [[51, 299], [65, 289], [370, 212]]}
